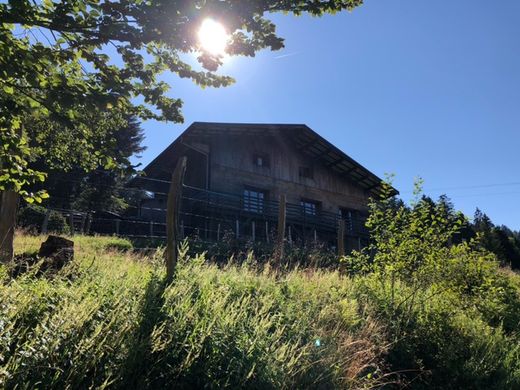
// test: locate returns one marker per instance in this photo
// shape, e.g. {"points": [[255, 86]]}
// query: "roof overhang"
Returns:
{"points": [[304, 139]]}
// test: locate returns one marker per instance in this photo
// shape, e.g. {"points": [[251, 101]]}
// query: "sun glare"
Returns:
{"points": [[213, 37]]}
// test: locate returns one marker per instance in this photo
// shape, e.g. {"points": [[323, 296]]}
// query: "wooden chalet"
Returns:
{"points": [[236, 173]]}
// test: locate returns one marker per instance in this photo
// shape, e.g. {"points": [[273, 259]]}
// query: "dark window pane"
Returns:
{"points": [[309, 208], [306, 172], [254, 201]]}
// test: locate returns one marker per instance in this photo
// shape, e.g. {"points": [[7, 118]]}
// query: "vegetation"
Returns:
{"points": [[64, 61], [109, 320], [63, 64], [70, 185], [500, 240], [31, 218], [452, 314], [420, 307]]}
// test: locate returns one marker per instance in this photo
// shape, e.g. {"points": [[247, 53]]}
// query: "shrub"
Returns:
{"points": [[453, 316], [31, 217], [118, 244]]}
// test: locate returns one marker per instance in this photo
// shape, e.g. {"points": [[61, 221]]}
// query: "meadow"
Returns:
{"points": [[109, 320]]}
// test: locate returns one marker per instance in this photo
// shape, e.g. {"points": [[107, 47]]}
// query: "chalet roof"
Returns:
{"points": [[306, 140]]}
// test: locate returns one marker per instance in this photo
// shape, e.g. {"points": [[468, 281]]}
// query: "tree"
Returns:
{"points": [[99, 189], [500, 240], [54, 61]]}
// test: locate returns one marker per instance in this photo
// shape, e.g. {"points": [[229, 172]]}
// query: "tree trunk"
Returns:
{"points": [[8, 207]]}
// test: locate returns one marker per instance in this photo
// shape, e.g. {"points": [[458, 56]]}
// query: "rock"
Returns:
{"points": [[58, 250]]}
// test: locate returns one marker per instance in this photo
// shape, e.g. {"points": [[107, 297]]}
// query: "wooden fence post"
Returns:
{"points": [[237, 229], [341, 237], [151, 229], [172, 217], [267, 232], [88, 223], [281, 228], [8, 206], [83, 222], [71, 223], [45, 224], [253, 228]]}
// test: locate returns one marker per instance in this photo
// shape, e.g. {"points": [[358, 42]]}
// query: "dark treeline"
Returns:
{"points": [[103, 188], [500, 240]]}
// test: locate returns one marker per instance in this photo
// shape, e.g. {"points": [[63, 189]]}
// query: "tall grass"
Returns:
{"points": [[110, 321]]}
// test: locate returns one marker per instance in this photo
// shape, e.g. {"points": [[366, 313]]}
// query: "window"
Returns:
{"points": [[306, 172], [261, 160], [254, 200], [348, 215], [309, 207]]}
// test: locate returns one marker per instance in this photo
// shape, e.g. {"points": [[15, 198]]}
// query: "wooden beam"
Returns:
{"points": [[172, 217], [8, 207], [282, 212], [45, 223], [306, 145], [373, 187], [71, 223], [325, 152], [341, 237], [336, 162]]}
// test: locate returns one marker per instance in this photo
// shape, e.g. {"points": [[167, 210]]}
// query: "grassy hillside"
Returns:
{"points": [[109, 321]]}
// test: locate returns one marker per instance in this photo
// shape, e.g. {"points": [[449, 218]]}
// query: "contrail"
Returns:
{"points": [[287, 55]]}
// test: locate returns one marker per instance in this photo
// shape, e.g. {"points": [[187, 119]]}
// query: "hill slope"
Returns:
{"points": [[109, 320]]}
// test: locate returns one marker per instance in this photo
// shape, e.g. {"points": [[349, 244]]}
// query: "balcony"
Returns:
{"points": [[213, 212]]}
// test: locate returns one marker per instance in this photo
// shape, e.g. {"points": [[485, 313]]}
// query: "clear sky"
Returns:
{"points": [[414, 88]]}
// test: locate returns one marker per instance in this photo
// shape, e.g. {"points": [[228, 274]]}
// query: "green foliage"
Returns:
{"points": [[118, 244], [88, 186], [15, 173], [54, 63], [452, 314], [31, 218], [300, 255], [500, 240], [109, 320], [444, 340], [422, 308]]}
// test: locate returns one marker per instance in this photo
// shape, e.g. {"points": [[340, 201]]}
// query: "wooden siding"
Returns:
{"points": [[232, 169]]}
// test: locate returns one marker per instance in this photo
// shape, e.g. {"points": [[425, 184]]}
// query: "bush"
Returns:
{"points": [[31, 217], [452, 314], [118, 244]]}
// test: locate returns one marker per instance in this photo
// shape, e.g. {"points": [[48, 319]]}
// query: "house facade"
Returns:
{"points": [[236, 174]]}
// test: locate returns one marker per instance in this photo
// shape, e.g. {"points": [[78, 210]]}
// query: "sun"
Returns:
{"points": [[213, 37]]}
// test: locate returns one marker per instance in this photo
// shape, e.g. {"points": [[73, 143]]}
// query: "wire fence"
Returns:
{"points": [[204, 216]]}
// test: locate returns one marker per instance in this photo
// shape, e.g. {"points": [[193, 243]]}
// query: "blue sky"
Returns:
{"points": [[414, 88]]}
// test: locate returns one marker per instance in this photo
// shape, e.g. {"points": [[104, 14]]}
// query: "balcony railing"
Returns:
{"points": [[200, 202]]}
